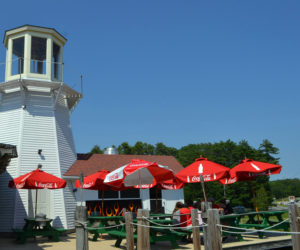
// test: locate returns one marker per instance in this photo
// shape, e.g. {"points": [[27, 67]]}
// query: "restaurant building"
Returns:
{"points": [[131, 199]]}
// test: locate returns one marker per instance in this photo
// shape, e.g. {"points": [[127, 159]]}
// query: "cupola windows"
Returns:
{"points": [[34, 53], [56, 62], [38, 55], [17, 56]]}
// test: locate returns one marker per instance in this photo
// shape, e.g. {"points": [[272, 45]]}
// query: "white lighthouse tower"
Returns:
{"points": [[35, 108]]}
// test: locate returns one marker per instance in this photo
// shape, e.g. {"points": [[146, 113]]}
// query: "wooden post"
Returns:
{"points": [[196, 232], [294, 225], [204, 208], [129, 231], [124, 212], [81, 216], [143, 233], [214, 233]]}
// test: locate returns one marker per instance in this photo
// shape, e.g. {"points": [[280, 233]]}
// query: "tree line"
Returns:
{"points": [[226, 153], [284, 188]]}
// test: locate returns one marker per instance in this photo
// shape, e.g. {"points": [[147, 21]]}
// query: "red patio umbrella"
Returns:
{"points": [[94, 181], [37, 179], [173, 184], [210, 171], [138, 173], [248, 170], [202, 170]]}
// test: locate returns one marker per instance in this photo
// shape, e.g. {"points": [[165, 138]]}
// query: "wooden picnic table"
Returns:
{"points": [[157, 232], [104, 219], [37, 227], [161, 216], [157, 221], [252, 217], [231, 220], [257, 220], [103, 223]]}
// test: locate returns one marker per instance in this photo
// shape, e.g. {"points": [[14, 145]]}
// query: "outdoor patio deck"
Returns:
{"points": [[69, 243]]}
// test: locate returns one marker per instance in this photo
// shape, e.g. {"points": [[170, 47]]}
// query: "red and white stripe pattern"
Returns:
{"points": [[138, 173]]}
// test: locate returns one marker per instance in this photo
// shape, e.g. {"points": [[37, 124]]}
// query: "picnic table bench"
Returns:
{"points": [[103, 226], [37, 227], [156, 234], [161, 216], [232, 221]]}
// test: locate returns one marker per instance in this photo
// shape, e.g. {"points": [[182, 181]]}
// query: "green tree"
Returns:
{"points": [[96, 150], [268, 149], [141, 148], [162, 149], [262, 199], [285, 188], [124, 149]]}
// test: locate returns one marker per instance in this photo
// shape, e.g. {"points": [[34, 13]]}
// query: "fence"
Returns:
{"points": [[212, 229]]}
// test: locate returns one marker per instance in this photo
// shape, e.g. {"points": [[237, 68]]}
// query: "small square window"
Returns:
{"points": [[108, 194], [130, 193], [155, 193]]}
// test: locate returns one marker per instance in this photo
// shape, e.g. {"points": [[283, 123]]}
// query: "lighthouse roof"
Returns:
{"points": [[34, 28]]}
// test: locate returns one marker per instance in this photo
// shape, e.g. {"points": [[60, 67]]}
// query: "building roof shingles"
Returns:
{"points": [[91, 163]]}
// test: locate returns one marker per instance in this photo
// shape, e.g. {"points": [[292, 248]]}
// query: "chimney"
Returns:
{"points": [[111, 151]]}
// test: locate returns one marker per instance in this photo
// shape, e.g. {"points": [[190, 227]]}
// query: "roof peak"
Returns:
{"points": [[29, 27]]}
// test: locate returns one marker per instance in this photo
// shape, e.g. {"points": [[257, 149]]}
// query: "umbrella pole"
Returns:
{"points": [[254, 199], [102, 201], [224, 190], [156, 202], [36, 197], [203, 187], [101, 236], [140, 180]]}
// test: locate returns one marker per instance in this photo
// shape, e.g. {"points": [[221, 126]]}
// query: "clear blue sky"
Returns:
{"points": [[178, 72]]}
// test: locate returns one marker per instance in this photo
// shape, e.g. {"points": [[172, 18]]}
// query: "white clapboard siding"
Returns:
{"points": [[10, 112], [38, 132], [67, 155]]}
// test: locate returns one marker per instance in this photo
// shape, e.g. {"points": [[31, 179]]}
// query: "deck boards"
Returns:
{"points": [[68, 242]]}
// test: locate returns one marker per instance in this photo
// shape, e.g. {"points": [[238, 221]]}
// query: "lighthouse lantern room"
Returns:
{"points": [[35, 109]]}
